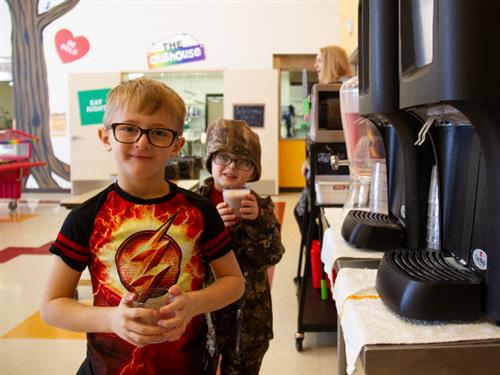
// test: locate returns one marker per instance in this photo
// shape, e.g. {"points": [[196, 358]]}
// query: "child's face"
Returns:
{"points": [[230, 176], [140, 160]]}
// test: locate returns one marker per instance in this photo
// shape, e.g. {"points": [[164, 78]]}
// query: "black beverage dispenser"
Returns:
{"points": [[449, 80], [408, 171]]}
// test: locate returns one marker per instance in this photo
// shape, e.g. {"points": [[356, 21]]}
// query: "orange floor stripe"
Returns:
{"points": [[16, 217], [34, 328]]}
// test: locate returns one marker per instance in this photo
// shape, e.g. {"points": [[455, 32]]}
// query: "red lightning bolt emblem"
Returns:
{"points": [[149, 259]]}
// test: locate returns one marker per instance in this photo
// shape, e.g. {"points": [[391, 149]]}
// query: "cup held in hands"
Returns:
{"points": [[233, 198], [153, 298]]}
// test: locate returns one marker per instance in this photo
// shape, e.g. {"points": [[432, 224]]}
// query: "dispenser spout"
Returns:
{"points": [[336, 162]]}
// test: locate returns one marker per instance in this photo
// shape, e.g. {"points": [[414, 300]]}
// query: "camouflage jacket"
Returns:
{"points": [[257, 245]]}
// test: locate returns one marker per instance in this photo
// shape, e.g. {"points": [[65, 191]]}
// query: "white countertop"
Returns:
{"points": [[334, 246], [365, 319]]}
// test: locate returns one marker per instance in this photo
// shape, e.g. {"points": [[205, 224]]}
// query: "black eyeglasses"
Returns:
{"points": [[225, 160], [129, 133]]}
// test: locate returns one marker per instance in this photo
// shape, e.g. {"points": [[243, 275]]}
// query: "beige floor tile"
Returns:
{"points": [[22, 280], [319, 348], [41, 357]]}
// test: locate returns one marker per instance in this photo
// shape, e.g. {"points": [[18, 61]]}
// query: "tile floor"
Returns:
{"points": [[28, 346]]}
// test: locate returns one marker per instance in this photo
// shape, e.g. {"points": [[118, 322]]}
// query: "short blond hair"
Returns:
{"points": [[335, 64], [146, 96]]}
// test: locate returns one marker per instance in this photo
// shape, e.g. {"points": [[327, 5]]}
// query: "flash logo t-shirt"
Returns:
{"points": [[130, 245]]}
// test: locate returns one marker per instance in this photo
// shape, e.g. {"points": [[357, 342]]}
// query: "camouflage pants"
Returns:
{"points": [[246, 363]]}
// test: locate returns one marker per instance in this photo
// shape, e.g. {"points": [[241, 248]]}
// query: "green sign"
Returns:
{"points": [[92, 104]]}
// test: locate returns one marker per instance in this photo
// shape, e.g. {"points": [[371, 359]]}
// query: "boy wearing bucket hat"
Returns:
{"points": [[240, 332]]}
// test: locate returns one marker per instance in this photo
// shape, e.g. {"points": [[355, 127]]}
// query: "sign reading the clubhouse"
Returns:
{"points": [[92, 104], [178, 49]]}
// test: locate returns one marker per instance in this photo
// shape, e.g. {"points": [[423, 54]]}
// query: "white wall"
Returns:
{"points": [[236, 34], [258, 87]]}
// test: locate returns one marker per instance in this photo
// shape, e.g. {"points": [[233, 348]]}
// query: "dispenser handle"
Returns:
{"points": [[336, 162], [423, 131]]}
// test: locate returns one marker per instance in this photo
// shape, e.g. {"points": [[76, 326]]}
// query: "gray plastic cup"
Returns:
{"points": [[378, 189], [433, 235]]}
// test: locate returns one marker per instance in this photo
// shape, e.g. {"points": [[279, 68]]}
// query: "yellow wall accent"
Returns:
{"points": [[349, 10], [292, 153]]}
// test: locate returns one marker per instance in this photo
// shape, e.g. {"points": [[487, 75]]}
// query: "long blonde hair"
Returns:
{"points": [[335, 64]]}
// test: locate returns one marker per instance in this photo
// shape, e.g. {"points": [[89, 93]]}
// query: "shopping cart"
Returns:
{"points": [[15, 153]]}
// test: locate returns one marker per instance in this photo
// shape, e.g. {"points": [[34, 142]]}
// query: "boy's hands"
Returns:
{"points": [[131, 323], [226, 214], [177, 314], [128, 322], [249, 210]]}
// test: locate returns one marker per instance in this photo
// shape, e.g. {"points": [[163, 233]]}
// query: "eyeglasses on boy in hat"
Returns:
{"points": [[225, 160]]}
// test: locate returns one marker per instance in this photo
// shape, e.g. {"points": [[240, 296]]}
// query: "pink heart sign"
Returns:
{"points": [[70, 48]]}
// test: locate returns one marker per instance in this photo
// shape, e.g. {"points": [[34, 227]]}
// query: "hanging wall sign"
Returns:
{"points": [[70, 48], [178, 49], [92, 104]]}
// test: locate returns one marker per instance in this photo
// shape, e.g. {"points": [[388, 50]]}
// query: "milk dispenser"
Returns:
{"points": [[449, 80], [406, 173], [365, 211]]}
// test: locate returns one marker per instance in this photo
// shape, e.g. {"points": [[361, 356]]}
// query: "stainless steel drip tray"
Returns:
{"points": [[427, 285]]}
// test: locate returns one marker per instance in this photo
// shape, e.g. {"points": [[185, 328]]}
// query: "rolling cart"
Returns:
{"points": [[315, 313], [15, 154]]}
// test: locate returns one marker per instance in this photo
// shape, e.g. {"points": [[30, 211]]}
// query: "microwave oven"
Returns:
{"points": [[325, 119]]}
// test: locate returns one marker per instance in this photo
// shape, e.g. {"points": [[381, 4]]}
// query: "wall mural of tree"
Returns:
{"points": [[30, 91]]}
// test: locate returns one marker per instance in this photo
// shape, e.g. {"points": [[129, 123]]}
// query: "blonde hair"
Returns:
{"points": [[335, 64], [146, 96]]}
